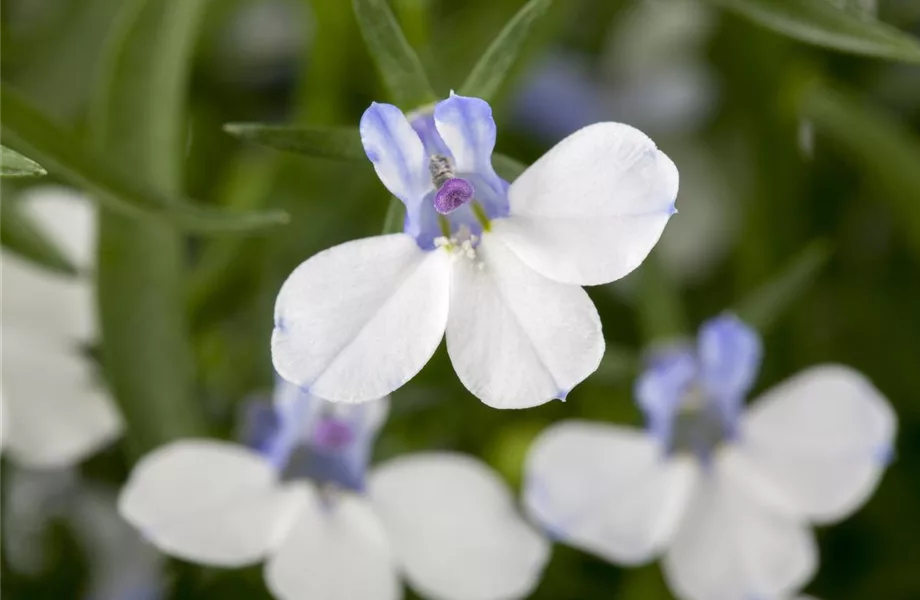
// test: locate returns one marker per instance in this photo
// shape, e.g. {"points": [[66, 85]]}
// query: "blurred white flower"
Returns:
{"points": [[726, 495], [298, 499], [121, 565], [497, 268], [54, 411]]}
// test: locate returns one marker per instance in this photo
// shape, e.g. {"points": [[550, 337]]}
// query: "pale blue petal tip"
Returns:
{"points": [[562, 395], [886, 454], [673, 210]]}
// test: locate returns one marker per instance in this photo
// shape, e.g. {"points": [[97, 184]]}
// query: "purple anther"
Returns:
{"points": [[332, 434], [453, 194]]}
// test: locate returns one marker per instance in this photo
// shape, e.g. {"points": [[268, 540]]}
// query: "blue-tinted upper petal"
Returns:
{"points": [[397, 152], [729, 353], [661, 387]]}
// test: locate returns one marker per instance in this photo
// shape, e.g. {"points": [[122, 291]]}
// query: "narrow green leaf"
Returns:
{"points": [[339, 143], [619, 364], [29, 132], [396, 61], [14, 164], [22, 235], [507, 168], [763, 307], [490, 72], [395, 218], [881, 145], [820, 23], [660, 308], [141, 269]]}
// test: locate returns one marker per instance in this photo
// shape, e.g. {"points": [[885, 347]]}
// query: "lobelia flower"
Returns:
{"points": [[725, 494], [55, 412], [120, 565], [299, 499], [496, 266]]}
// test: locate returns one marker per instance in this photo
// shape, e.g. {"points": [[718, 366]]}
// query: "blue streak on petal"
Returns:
{"points": [[423, 124], [396, 152], [260, 425], [660, 389], [730, 354]]}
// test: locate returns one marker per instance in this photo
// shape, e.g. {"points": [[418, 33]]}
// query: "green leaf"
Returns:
{"points": [[339, 143], [881, 145], [660, 308], [763, 307], [507, 168], [396, 61], [29, 132], [619, 364], [14, 164], [490, 72], [820, 23], [141, 270], [395, 218], [22, 235]]}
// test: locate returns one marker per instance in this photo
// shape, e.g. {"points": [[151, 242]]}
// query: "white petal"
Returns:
{"points": [[731, 545], [455, 528], [211, 502], [44, 303], [591, 209], [57, 412], [822, 439], [122, 565], [335, 551], [608, 490], [67, 217], [516, 338], [357, 321]]}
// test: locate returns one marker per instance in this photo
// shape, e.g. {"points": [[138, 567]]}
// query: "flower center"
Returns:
{"points": [[331, 433], [699, 426], [452, 194]]}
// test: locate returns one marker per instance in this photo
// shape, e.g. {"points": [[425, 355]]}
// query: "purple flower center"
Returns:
{"points": [[332, 434], [453, 194]]}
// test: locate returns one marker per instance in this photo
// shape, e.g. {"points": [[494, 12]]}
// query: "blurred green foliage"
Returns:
{"points": [[820, 151]]}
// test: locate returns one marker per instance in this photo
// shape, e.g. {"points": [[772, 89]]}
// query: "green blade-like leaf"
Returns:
{"points": [[883, 147], [339, 143], [396, 61], [820, 23], [490, 72], [395, 217], [763, 307], [659, 304], [14, 164], [507, 168], [141, 269], [22, 235], [29, 132]]}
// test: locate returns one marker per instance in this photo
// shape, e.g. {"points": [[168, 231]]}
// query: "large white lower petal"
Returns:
{"points": [[44, 303], [732, 545], [608, 490], [516, 338], [67, 216], [822, 438], [591, 209], [336, 550], [357, 321], [455, 528], [210, 502], [55, 412]]}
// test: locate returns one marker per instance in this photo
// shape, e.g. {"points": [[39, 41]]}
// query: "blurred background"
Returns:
{"points": [[775, 171]]}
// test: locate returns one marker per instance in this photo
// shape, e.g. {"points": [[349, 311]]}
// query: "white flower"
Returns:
{"points": [[497, 267], [121, 566], [301, 503], [54, 410], [725, 495]]}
